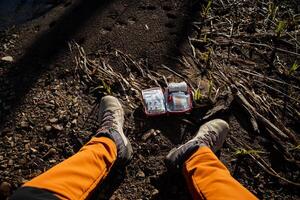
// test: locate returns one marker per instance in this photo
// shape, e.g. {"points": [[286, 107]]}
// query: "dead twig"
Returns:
{"points": [[270, 126], [263, 164]]}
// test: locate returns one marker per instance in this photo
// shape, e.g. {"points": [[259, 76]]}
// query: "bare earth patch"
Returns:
{"points": [[239, 57]]}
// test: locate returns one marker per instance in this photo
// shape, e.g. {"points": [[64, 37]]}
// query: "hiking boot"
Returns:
{"points": [[111, 118], [211, 134]]}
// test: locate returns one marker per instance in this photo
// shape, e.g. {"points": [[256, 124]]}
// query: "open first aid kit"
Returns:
{"points": [[176, 98]]}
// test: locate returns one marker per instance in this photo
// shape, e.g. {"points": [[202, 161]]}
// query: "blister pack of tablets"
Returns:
{"points": [[154, 101]]}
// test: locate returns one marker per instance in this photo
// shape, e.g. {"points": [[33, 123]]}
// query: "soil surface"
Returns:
{"points": [[47, 113], [15, 12]]}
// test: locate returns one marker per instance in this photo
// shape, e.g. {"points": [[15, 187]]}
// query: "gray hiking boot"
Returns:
{"points": [[211, 134], [111, 116]]}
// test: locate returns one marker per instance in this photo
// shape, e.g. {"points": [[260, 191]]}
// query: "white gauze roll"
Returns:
{"points": [[176, 87]]}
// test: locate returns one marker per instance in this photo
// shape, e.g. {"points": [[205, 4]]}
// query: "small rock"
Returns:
{"points": [[52, 151], [33, 150], [58, 127], [7, 59], [3, 166], [10, 162], [142, 158], [5, 47], [24, 124], [140, 174], [48, 105], [48, 128], [1, 158], [75, 115], [52, 161], [5, 189], [148, 135], [53, 120], [27, 146], [68, 125], [155, 192], [74, 122]]}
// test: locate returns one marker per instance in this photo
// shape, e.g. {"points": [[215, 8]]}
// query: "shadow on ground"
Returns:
{"points": [[109, 25], [40, 55], [159, 45]]}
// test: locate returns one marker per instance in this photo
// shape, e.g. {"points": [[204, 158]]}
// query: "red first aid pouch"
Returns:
{"points": [[176, 98]]}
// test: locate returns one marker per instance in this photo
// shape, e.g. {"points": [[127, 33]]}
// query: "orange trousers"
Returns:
{"points": [[77, 176], [208, 178]]}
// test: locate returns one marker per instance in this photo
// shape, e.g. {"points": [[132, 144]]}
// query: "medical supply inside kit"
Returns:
{"points": [[176, 98]]}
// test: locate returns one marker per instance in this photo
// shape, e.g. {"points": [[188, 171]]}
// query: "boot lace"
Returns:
{"points": [[108, 120], [210, 138]]}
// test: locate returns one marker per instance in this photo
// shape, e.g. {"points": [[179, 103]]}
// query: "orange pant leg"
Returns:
{"points": [[208, 178], [77, 176]]}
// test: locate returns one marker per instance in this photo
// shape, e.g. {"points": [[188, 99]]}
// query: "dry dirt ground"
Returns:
{"points": [[47, 110]]}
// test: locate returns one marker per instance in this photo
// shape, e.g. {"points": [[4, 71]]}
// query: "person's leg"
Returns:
{"points": [[78, 176], [206, 176]]}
